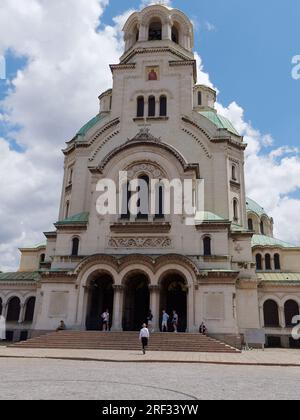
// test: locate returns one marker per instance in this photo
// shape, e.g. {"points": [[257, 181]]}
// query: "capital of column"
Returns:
{"points": [[118, 288], [154, 288]]}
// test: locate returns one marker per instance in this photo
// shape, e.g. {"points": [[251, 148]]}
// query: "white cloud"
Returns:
{"points": [[49, 100], [210, 27], [272, 175], [145, 3]]}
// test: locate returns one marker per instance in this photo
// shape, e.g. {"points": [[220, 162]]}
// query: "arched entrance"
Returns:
{"points": [[101, 297], [173, 296], [136, 301]]}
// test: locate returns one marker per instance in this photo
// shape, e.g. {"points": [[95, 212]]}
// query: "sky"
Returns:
{"points": [[57, 56]]}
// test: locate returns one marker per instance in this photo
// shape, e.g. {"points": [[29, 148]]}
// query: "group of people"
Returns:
{"points": [[165, 321]]}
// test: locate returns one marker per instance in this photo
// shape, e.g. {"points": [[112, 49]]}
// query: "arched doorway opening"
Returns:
{"points": [[271, 314], [101, 297], [291, 309], [136, 301], [173, 296], [30, 307], [14, 309]]}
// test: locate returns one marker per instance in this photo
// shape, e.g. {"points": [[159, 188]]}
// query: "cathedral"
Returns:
{"points": [[225, 269]]}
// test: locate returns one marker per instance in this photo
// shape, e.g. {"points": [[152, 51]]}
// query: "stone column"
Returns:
{"points": [[5, 309], [22, 313], [191, 327], [281, 317], [262, 316], [118, 308], [154, 305]]}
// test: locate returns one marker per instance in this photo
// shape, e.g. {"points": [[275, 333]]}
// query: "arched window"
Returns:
{"points": [[277, 263], [291, 309], [75, 247], [42, 259], [151, 106], [70, 176], [199, 98], [140, 107], [175, 34], [250, 225], [143, 202], [163, 106], [258, 262], [125, 201], [268, 262], [136, 33], [30, 306], [67, 209], [155, 30], [235, 210], [207, 246], [233, 173], [160, 203], [13, 310], [271, 314], [262, 227]]}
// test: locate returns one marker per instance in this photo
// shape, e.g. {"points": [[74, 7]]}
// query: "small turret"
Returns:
{"points": [[204, 98], [105, 100]]}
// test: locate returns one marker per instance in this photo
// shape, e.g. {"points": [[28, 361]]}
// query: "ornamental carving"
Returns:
{"points": [[140, 242], [134, 170]]}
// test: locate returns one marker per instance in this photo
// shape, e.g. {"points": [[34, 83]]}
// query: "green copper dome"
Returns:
{"points": [[255, 208], [90, 124], [219, 121]]}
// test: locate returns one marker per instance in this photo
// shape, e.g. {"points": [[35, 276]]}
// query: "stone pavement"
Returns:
{"points": [[269, 357]]}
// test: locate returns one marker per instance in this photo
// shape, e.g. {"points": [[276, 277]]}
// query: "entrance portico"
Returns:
{"points": [[129, 289]]}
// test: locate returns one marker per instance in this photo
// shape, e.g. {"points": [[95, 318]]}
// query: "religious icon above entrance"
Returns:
{"points": [[152, 73]]}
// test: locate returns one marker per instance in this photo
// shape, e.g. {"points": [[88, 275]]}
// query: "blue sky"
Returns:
{"points": [[247, 52]]}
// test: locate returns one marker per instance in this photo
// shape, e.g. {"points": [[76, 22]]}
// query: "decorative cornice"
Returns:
{"points": [[114, 67], [72, 226], [50, 234], [155, 50], [234, 143]]}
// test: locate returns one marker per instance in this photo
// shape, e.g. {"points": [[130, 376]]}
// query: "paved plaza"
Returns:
{"points": [[38, 379], [269, 357]]}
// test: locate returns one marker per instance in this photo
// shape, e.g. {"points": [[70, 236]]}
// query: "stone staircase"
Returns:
{"points": [[93, 340]]}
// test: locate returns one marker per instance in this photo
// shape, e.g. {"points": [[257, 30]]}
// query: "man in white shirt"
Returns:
{"points": [[144, 337], [105, 320]]}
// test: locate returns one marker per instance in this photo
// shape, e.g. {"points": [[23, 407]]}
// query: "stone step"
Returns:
{"points": [[94, 340]]}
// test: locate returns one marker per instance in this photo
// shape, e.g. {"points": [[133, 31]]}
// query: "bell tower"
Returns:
{"points": [[159, 25]]}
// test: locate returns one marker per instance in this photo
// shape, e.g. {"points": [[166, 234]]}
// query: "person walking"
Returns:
{"points": [[144, 337], [165, 320], [105, 320], [150, 321], [203, 329], [175, 321]]}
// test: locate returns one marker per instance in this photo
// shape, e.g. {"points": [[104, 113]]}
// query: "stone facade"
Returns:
{"points": [[156, 122]]}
